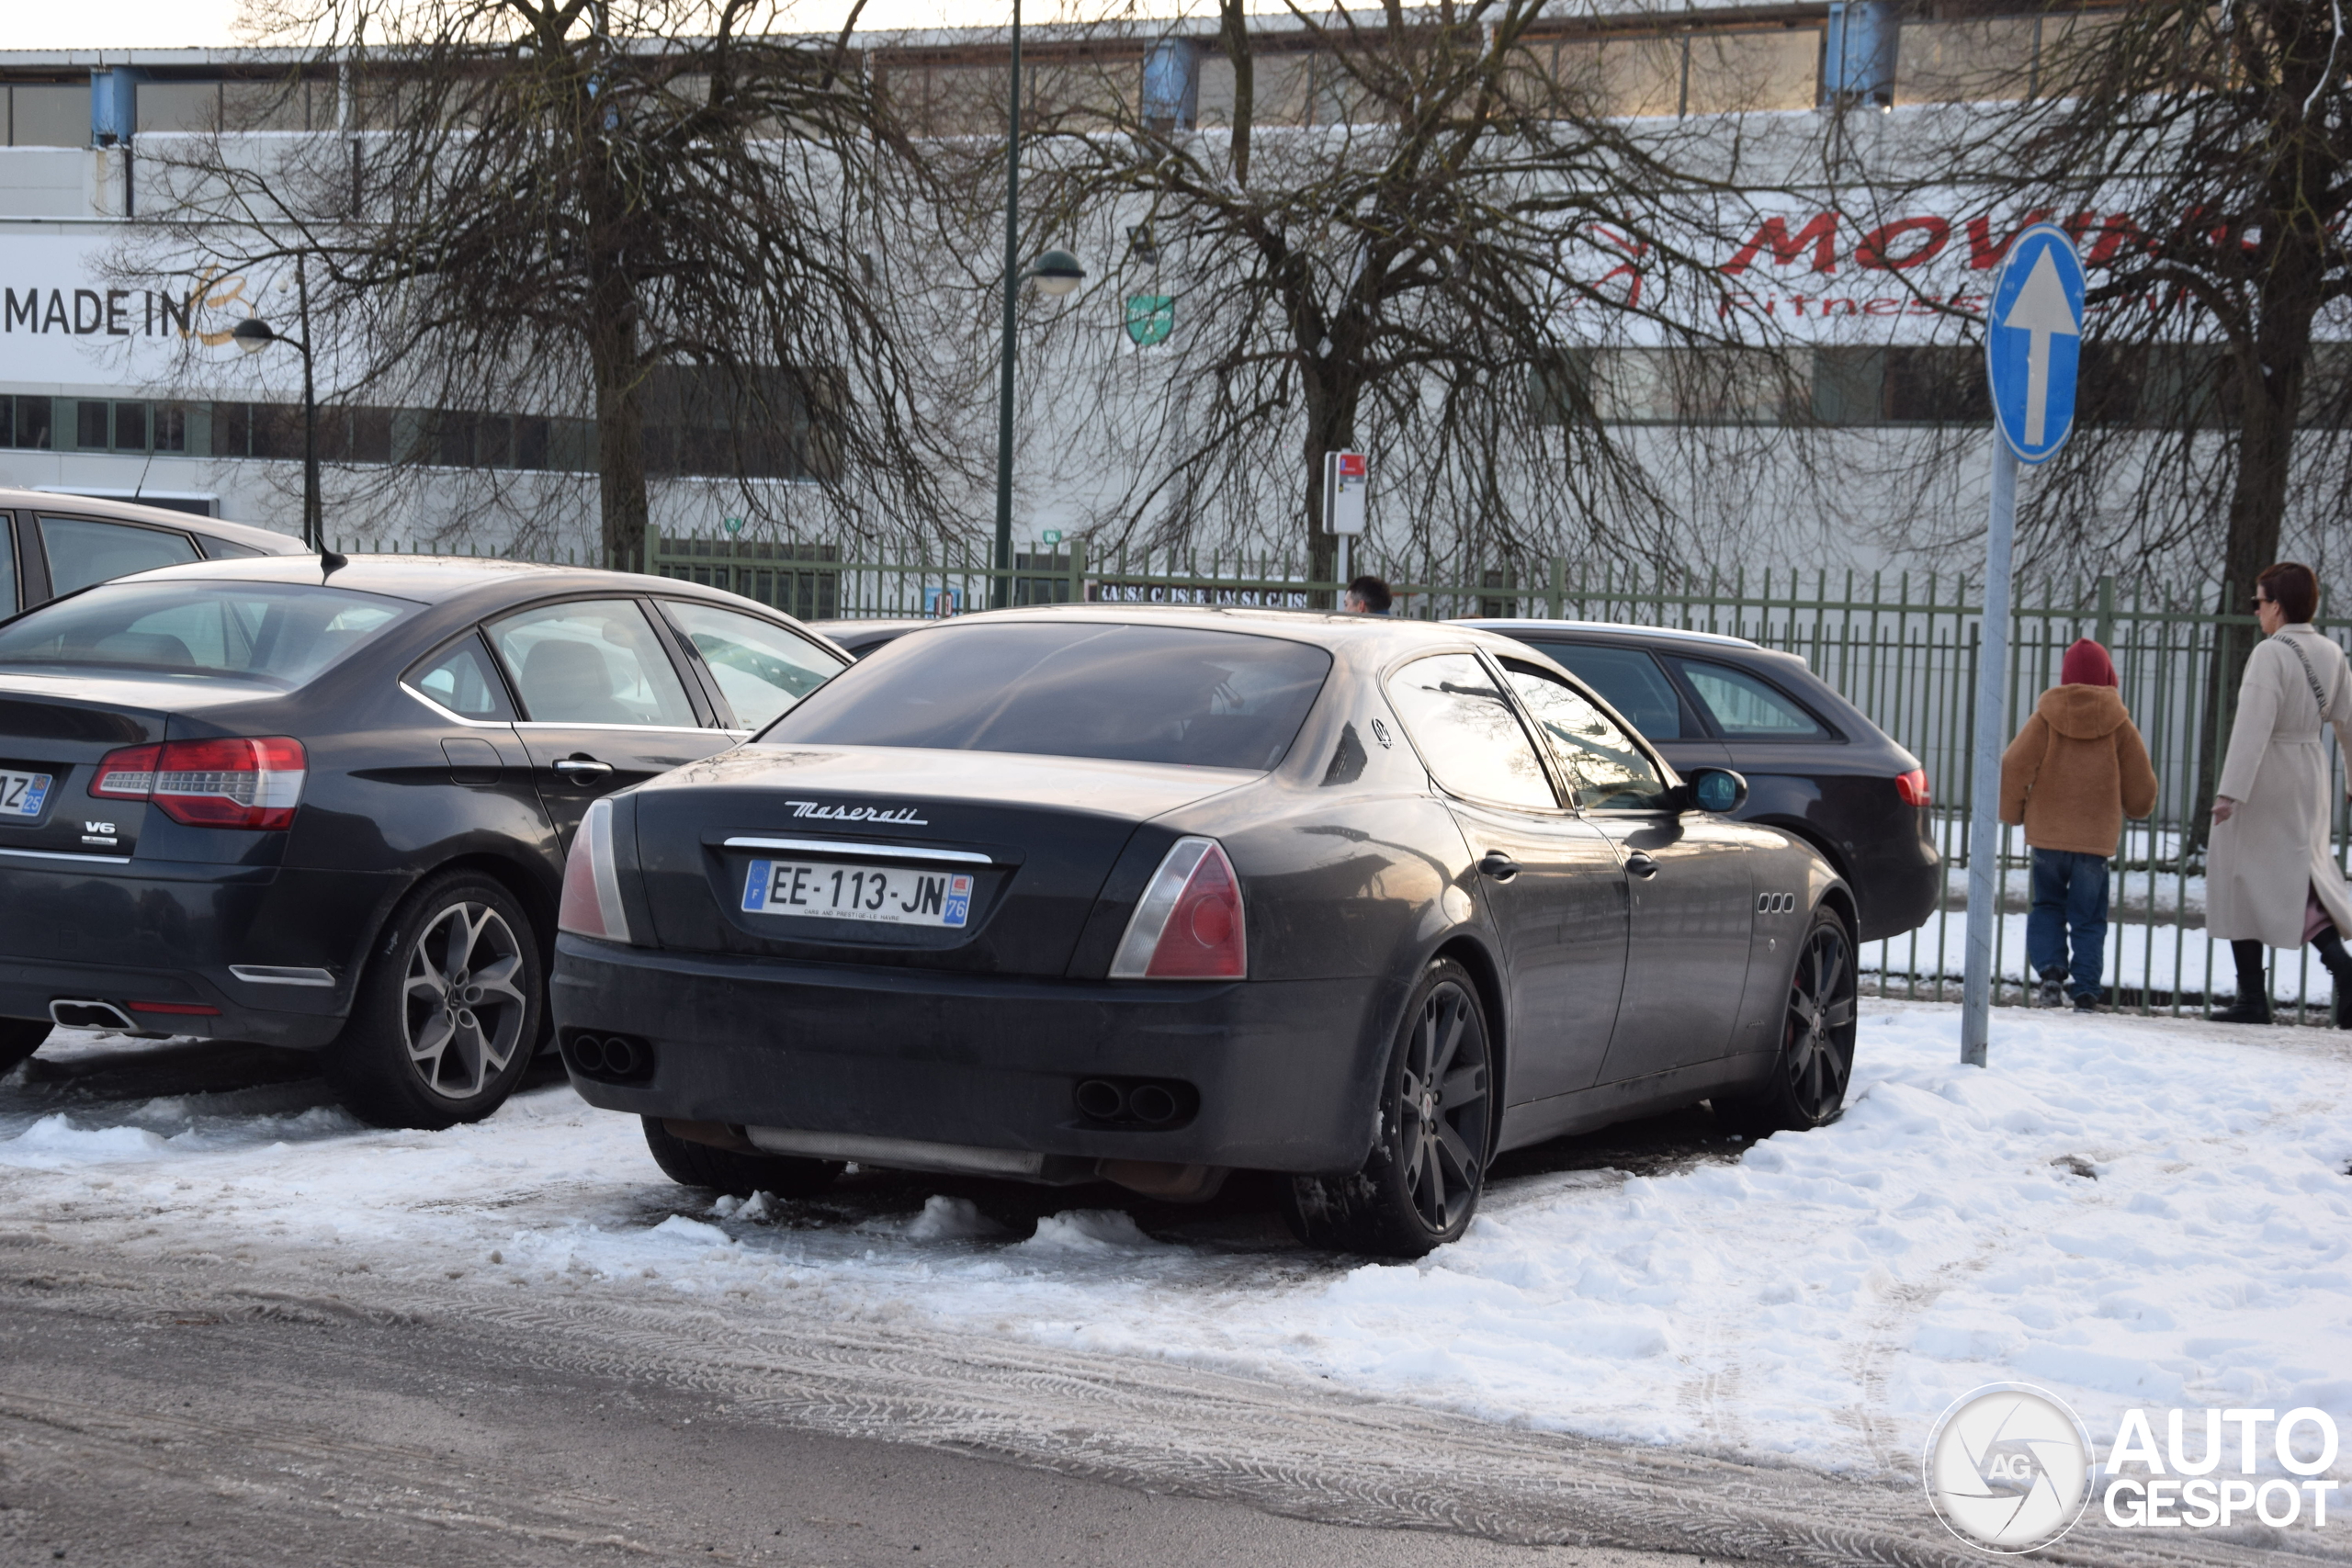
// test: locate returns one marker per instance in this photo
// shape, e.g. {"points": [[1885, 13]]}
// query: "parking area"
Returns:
{"points": [[2128, 1212]]}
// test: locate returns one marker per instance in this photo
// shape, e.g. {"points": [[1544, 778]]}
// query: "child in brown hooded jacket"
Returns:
{"points": [[2075, 771]]}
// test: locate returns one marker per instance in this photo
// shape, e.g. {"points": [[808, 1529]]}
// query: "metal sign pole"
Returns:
{"points": [[1992, 732], [2033, 329]]}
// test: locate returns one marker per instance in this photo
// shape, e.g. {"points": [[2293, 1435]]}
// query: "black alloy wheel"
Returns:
{"points": [[1420, 1186], [19, 1038], [1807, 1087], [735, 1174], [444, 1023]]}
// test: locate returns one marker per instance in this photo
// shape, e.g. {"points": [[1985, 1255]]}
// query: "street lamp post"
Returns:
{"points": [[253, 334], [1057, 273]]}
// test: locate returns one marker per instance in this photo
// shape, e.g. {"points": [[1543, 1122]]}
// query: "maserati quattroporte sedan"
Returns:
{"points": [[1152, 895]]}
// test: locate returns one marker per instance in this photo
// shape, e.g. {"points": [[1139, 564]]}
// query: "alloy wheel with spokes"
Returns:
{"points": [[464, 1008], [1442, 1108], [1807, 1087], [1818, 1054], [445, 1018], [1420, 1186]]}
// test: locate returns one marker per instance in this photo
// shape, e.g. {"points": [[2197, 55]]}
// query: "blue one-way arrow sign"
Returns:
{"points": [[2033, 344], [2033, 335]]}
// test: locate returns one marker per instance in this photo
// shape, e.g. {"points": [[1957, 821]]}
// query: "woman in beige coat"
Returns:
{"points": [[2269, 878]]}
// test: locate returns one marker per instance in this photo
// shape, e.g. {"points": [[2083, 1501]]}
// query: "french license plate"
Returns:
{"points": [[21, 794], [891, 895]]}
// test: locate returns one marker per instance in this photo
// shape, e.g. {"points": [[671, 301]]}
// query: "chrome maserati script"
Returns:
{"points": [[905, 813]]}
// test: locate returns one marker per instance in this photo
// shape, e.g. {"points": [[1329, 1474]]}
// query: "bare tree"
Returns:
{"points": [[2202, 157], [657, 215], [1455, 263]]}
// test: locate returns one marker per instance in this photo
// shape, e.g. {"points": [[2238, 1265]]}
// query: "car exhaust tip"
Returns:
{"points": [[1102, 1100], [1152, 1103], [607, 1058], [81, 1013], [1140, 1104]]}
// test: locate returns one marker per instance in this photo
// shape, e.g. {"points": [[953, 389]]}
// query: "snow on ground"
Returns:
{"points": [[2127, 1211]]}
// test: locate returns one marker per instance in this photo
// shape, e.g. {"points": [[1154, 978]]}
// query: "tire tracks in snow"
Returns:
{"points": [[1282, 1448]]}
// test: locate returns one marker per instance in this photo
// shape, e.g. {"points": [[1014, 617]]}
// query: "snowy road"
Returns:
{"points": [[1720, 1354]]}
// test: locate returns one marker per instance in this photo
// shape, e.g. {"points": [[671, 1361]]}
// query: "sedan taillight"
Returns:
{"points": [[1188, 925], [591, 892], [235, 783], [1912, 788]]}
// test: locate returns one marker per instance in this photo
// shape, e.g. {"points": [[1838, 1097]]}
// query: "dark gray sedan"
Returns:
{"points": [[1149, 895]]}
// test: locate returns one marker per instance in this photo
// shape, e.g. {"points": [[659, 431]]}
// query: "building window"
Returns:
{"points": [[28, 425], [130, 427], [41, 115], [91, 421]]}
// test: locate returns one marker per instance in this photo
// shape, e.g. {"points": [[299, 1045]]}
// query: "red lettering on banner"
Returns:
{"points": [[1984, 255], [2114, 234], [1819, 234], [1878, 247]]}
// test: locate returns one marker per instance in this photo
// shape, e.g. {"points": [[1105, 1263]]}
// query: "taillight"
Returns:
{"points": [[592, 893], [1188, 925], [235, 783], [127, 775], [1913, 787]]}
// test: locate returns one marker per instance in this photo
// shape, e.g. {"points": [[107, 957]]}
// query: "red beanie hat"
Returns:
{"points": [[2086, 665]]}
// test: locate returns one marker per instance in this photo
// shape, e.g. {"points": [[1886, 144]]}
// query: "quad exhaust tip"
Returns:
{"points": [[1133, 1102], [74, 1013], [612, 1057]]}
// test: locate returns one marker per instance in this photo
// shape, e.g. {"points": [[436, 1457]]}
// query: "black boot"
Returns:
{"points": [[2253, 1004], [2330, 944]]}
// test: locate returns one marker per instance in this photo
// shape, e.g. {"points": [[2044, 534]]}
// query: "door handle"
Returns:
{"points": [[1498, 865], [581, 769], [1641, 864]]}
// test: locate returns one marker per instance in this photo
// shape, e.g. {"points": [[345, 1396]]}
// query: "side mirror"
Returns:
{"points": [[1718, 790]]}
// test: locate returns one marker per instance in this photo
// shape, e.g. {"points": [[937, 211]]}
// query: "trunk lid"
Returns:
{"points": [[890, 830], [56, 728]]}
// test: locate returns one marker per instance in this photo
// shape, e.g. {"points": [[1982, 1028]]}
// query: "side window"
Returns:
{"points": [[82, 551], [761, 669], [1466, 732], [591, 662], [1610, 770], [1628, 679], [10, 603], [461, 679], [1746, 708]]}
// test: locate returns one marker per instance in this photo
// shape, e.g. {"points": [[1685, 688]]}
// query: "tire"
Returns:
{"points": [[732, 1174], [1807, 1084], [448, 1015], [1417, 1191], [19, 1038]]}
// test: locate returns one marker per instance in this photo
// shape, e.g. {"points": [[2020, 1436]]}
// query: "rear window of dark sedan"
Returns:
{"points": [[1205, 699], [284, 633]]}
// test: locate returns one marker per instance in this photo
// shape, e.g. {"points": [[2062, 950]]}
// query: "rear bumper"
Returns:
{"points": [[163, 931], [1285, 1071], [1897, 889]]}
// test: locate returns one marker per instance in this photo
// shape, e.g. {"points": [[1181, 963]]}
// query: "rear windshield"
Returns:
{"points": [[1130, 694], [192, 626]]}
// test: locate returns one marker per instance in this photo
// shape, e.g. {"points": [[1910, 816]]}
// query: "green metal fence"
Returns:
{"points": [[1902, 648]]}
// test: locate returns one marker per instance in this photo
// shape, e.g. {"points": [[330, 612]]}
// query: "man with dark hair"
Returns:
{"points": [[1366, 597]]}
